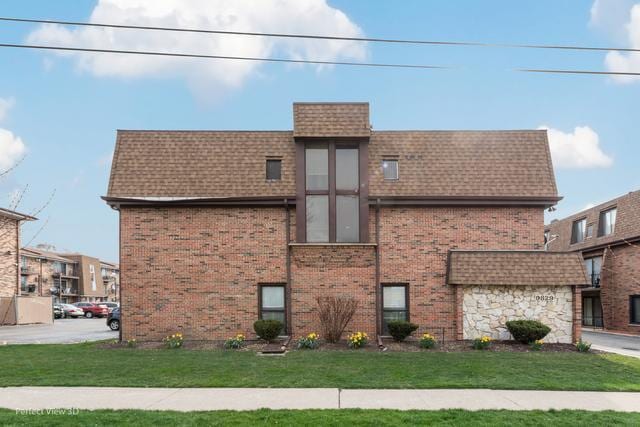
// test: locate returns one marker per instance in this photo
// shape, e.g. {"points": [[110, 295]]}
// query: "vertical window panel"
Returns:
{"points": [[317, 218], [347, 169], [317, 168], [347, 219]]}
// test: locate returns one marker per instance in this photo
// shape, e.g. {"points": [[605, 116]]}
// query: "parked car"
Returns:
{"points": [[110, 305], [58, 313], [91, 309], [71, 310], [113, 320]]}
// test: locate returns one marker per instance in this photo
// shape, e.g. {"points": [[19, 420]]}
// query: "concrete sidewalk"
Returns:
{"points": [[203, 399]]}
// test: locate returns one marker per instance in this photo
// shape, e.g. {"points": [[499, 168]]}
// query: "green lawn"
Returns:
{"points": [[326, 417], [90, 365]]}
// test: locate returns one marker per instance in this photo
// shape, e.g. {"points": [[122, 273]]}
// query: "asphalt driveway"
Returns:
{"points": [[63, 331], [615, 343]]}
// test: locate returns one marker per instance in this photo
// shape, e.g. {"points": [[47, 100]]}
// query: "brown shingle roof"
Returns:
{"points": [[231, 164], [463, 163], [200, 164], [516, 268], [348, 119], [627, 224]]}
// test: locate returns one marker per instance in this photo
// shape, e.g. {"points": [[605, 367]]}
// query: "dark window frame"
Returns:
{"points": [[397, 162], [632, 313], [261, 309], [332, 191], [273, 160], [601, 217], [574, 237], [406, 303], [595, 277]]}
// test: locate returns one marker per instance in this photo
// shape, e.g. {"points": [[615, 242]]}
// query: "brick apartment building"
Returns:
{"points": [[10, 251], [608, 237], [443, 228], [74, 277]]}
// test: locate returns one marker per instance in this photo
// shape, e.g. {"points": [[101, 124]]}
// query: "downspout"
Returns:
{"points": [[288, 266], [120, 266], [378, 293], [18, 264]]}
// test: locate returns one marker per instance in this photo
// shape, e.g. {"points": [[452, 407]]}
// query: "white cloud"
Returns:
{"points": [[610, 17], [282, 16], [621, 20], [577, 149], [5, 105], [12, 149]]}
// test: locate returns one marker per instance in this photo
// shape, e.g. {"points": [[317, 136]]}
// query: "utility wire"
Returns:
{"points": [[239, 58], [299, 61], [324, 37]]}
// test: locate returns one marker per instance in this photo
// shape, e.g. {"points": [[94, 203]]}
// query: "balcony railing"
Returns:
{"points": [[26, 270], [595, 280]]}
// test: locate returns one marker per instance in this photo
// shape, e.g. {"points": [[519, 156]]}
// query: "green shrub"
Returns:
{"points": [[482, 343], [427, 341], [401, 329], [527, 331], [583, 346], [268, 329]]}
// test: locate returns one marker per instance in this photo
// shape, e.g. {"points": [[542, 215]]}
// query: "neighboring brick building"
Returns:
{"points": [[10, 251], [220, 228], [608, 237], [74, 277]]}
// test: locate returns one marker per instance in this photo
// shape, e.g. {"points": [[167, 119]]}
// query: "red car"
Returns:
{"points": [[92, 309]]}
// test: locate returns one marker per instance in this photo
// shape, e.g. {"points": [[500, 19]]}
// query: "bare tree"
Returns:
{"points": [[335, 313]]}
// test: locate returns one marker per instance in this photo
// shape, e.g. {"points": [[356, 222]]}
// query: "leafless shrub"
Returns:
{"points": [[335, 313]]}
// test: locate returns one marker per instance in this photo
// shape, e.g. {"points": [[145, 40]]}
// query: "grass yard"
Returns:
{"points": [[326, 417], [90, 365]]}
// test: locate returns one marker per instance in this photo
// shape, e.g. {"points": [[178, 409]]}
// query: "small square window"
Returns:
{"points": [[274, 169], [390, 169]]}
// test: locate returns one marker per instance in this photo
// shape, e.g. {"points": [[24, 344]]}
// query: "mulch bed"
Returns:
{"points": [[410, 345]]}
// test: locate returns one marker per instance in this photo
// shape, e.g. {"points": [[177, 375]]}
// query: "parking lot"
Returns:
{"points": [[63, 331]]}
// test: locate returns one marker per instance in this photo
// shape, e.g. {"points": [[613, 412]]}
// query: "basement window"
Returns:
{"points": [[274, 169]]}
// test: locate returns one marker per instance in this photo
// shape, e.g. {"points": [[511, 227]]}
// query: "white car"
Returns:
{"points": [[71, 311]]}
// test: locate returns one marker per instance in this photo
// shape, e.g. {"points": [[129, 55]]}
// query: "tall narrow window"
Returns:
{"points": [[607, 222], [578, 230], [395, 302], [274, 169], [272, 303], [390, 169], [332, 182], [634, 301], [347, 200], [594, 267]]}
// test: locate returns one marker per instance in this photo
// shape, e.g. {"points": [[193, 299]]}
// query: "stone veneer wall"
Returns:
{"points": [[486, 309]]}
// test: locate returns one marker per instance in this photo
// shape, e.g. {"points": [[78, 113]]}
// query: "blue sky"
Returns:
{"points": [[66, 109]]}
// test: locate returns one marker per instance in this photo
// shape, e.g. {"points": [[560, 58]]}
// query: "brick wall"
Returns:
{"points": [[197, 270], [414, 242], [620, 278], [325, 270], [8, 260]]}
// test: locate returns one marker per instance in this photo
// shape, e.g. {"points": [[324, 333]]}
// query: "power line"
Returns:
{"points": [[299, 61], [238, 58], [325, 37]]}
